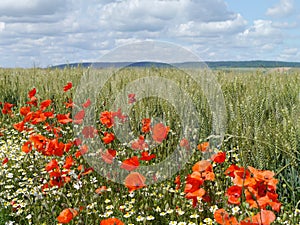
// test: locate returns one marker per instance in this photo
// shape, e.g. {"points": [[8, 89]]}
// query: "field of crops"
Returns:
{"points": [[52, 172]]}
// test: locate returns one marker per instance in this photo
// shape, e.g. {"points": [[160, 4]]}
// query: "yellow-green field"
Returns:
{"points": [[262, 131]]}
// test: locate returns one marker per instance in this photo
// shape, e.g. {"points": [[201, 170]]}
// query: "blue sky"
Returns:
{"points": [[43, 32]]}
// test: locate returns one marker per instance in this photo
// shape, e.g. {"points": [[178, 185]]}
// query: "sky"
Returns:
{"points": [[42, 33]]}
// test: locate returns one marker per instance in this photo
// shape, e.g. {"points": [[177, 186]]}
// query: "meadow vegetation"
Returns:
{"points": [[263, 132]]}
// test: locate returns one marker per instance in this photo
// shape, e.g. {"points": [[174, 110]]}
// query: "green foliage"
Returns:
{"points": [[263, 115]]}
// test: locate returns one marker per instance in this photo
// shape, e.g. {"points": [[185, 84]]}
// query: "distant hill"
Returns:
{"points": [[210, 64]]}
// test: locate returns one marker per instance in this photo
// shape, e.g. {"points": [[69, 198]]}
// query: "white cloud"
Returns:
{"points": [[20, 8], [282, 9], [213, 28], [159, 15], [2, 26], [60, 31], [152, 15], [289, 54], [285, 25], [262, 38], [290, 51], [262, 29]]}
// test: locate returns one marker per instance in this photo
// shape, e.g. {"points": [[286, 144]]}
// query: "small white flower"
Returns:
{"points": [[108, 213], [194, 216], [109, 207], [127, 215], [77, 185], [107, 201], [191, 223], [213, 208], [10, 175], [169, 211], [235, 210], [180, 212], [208, 220], [158, 209], [173, 223], [150, 217], [140, 218]]}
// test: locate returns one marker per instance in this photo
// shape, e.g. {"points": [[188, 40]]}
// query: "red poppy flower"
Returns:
{"points": [[54, 147], [264, 217], [201, 166], [7, 108], [120, 116], [68, 146], [31, 93], [230, 170], [19, 126], [24, 110], [106, 118], [139, 144], [147, 157], [33, 101], [109, 156], [79, 116], [146, 125], [68, 162], [108, 137], [131, 98], [53, 164], [219, 157], [69, 104], [77, 154], [45, 186], [223, 218], [88, 171], [4, 161], [177, 182], [80, 168], [242, 177], [39, 141], [203, 147], [27, 147], [68, 86], [208, 175], [77, 141], [160, 132], [83, 149], [63, 118], [87, 103], [197, 176], [45, 104], [49, 114], [134, 181], [67, 215], [234, 193], [264, 176], [199, 193], [192, 186], [111, 221], [100, 190], [185, 144], [89, 132], [248, 223], [130, 164]]}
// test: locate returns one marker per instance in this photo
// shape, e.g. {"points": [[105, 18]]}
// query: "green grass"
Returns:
{"points": [[263, 127]]}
